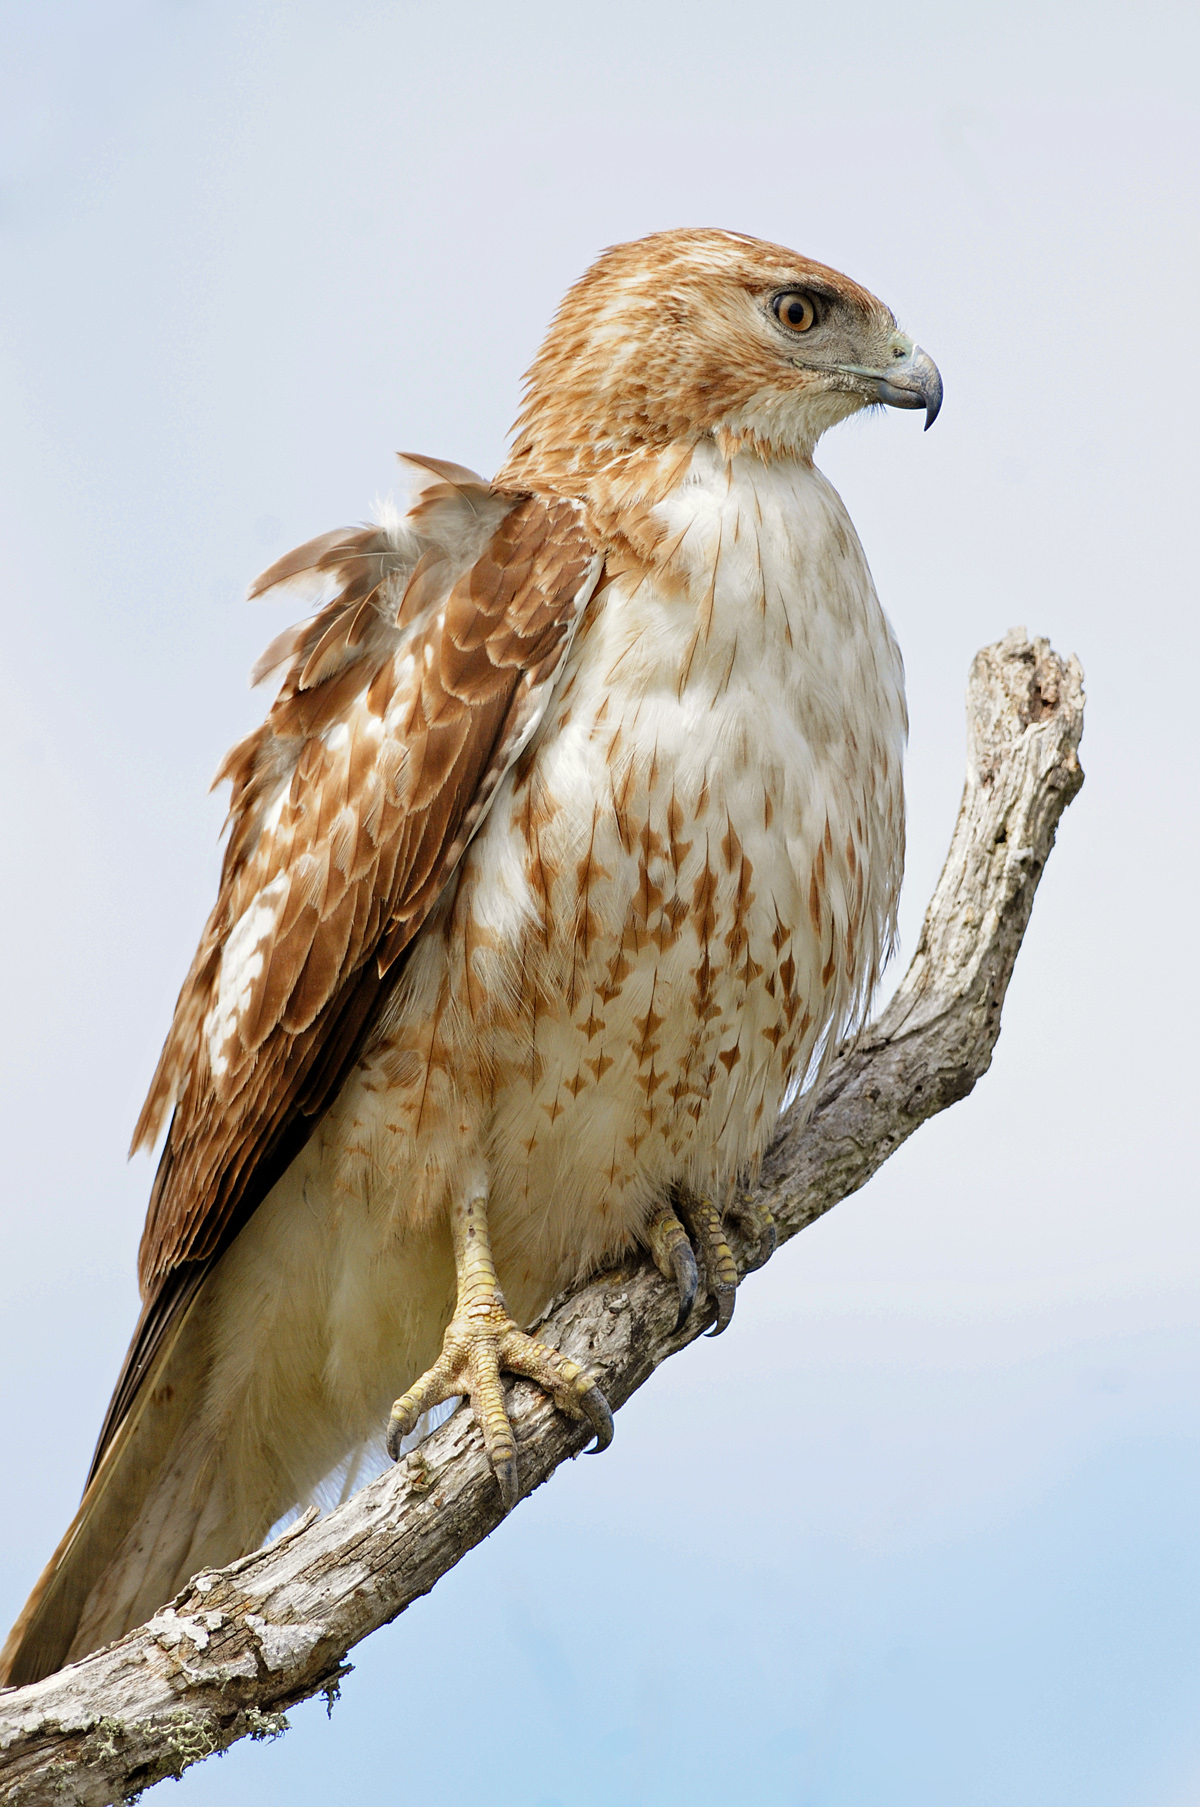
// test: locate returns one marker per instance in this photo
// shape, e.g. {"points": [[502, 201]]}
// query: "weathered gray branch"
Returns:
{"points": [[242, 1644]]}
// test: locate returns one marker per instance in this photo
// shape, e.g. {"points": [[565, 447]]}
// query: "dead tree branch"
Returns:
{"points": [[239, 1646]]}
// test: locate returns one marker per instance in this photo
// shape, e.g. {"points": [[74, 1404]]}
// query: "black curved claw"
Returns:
{"points": [[726, 1299], [687, 1278], [509, 1481], [755, 1220], [768, 1242], [598, 1413]]}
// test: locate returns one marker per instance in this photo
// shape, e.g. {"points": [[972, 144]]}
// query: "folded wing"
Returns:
{"points": [[407, 696]]}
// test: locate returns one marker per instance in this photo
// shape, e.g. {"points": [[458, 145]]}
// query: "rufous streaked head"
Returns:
{"points": [[695, 333]]}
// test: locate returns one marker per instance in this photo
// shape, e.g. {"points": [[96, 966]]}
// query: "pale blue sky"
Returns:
{"points": [[921, 1527]]}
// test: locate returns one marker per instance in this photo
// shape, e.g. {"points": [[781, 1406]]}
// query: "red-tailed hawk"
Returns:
{"points": [[571, 841]]}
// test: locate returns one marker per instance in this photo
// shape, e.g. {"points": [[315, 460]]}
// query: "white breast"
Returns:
{"points": [[680, 899], [689, 891]]}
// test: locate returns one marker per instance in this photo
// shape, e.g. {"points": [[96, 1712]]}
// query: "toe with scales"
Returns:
{"points": [[672, 1230], [756, 1226], [482, 1341], [674, 1257], [720, 1269]]}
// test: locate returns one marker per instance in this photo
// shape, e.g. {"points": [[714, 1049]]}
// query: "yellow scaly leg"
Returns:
{"points": [[481, 1341]]}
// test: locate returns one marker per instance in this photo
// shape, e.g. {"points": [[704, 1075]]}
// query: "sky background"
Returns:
{"points": [[921, 1529]]}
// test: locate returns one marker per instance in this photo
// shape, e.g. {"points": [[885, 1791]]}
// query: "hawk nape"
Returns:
{"points": [[572, 840]]}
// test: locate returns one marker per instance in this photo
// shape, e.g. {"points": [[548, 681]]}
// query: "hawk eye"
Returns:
{"points": [[795, 309]]}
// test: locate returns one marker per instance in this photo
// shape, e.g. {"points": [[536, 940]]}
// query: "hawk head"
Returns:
{"points": [[692, 333]]}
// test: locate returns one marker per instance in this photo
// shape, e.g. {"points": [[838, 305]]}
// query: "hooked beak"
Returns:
{"points": [[913, 381]]}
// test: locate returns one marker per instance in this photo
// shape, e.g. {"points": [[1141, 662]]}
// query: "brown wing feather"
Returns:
{"points": [[351, 806]]}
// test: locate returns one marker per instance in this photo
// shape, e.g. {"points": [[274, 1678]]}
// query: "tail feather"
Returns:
{"points": [[255, 1394], [154, 1513]]}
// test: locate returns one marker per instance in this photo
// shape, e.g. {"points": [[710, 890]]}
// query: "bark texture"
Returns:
{"points": [[242, 1644]]}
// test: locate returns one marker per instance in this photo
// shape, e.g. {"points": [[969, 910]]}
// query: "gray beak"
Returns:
{"points": [[911, 382]]}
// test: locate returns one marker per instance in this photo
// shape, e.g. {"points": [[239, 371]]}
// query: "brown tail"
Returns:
{"points": [[238, 1402], [150, 1518]]}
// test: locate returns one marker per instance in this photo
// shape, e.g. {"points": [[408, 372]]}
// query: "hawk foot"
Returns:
{"points": [[481, 1342], [672, 1248]]}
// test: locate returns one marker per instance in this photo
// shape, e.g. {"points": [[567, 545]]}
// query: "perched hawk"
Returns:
{"points": [[571, 841]]}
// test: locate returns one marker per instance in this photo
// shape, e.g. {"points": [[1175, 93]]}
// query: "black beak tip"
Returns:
{"points": [[916, 383], [933, 401]]}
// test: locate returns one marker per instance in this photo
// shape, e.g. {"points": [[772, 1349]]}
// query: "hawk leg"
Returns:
{"points": [[480, 1343], [671, 1246]]}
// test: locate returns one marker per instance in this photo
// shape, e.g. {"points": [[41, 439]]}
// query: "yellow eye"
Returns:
{"points": [[795, 310]]}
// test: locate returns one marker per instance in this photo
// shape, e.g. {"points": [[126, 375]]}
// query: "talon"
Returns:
{"points": [[755, 1221], [430, 1390], [576, 1393], [726, 1298], [687, 1279], [674, 1258], [720, 1269], [598, 1413], [509, 1481]]}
